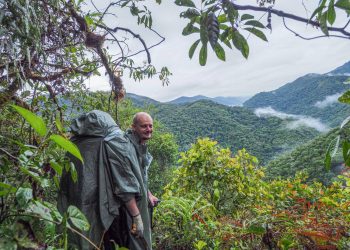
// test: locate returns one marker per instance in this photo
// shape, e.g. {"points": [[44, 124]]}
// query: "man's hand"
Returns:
{"points": [[137, 226], [152, 199]]}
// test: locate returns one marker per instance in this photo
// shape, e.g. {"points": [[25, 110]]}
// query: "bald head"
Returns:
{"points": [[142, 125]]}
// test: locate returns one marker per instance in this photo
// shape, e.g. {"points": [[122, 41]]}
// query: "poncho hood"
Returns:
{"points": [[95, 123]]}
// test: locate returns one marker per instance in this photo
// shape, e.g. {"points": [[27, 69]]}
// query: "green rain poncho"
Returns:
{"points": [[114, 170]]}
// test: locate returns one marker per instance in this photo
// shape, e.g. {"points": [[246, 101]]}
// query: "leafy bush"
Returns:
{"points": [[250, 213]]}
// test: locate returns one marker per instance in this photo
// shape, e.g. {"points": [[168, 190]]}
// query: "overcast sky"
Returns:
{"points": [[270, 64]]}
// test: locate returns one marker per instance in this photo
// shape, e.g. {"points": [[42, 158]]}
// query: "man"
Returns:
{"points": [[112, 187], [137, 233]]}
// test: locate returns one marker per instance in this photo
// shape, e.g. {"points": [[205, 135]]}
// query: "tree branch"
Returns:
{"points": [[288, 16], [135, 36], [309, 38]]}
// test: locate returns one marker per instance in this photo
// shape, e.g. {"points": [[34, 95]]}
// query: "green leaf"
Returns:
{"points": [[257, 32], [6, 189], [199, 245], [187, 3], [345, 98], [231, 12], [216, 194], [240, 43], [189, 29], [193, 48], [67, 145], [203, 53], [327, 160], [57, 167], [35, 121], [246, 17], [343, 4], [73, 172], [203, 30], [331, 15], [323, 23], [346, 152], [220, 52], [222, 18], [77, 218], [59, 125], [255, 24], [254, 229], [318, 11], [40, 209], [23, 196]]}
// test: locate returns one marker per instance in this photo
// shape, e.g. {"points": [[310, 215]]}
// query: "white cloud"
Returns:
{"points": [[298, 120], [329, 100]]}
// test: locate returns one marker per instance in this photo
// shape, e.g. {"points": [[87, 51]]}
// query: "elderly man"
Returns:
{"points": [[112, 187]]}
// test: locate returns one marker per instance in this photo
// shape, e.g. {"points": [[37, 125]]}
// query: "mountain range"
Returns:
{"points": [[268, 124]]}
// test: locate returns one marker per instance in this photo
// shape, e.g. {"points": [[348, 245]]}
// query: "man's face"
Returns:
{"points": [[144, 127]]}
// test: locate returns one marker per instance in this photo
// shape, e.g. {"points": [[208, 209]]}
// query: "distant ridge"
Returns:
{"points": [[342, 70], [225, 100], [313, 95], [141, 101]]}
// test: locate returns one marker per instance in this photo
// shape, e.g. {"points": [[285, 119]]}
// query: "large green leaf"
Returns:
{"points": [[67, 145], [328, 160], [35, 121], [343, 4], [255, 23], [240, 43], [220, 52], [193, 48], [77, 218], [345, 98], [346, 152], [323, 23], [203, 29], [257, 32], [23, 196], [331, 15], [187, 3], [41, 210], [246, 17], [203, 54]]}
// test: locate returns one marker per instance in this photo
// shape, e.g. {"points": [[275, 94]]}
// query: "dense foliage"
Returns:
{"points": [[233, 127], [256, 214]]}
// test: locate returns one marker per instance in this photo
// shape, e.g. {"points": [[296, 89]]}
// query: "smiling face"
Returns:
{"points": [[143, 126]]}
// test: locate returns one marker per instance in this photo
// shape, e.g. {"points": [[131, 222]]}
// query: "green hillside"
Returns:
{"points": [[309, 157], [302, 95], [233, 127]]}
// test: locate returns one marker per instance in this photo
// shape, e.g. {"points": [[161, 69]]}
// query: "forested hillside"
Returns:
{"points": [[233, 127], [309, 158]]}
